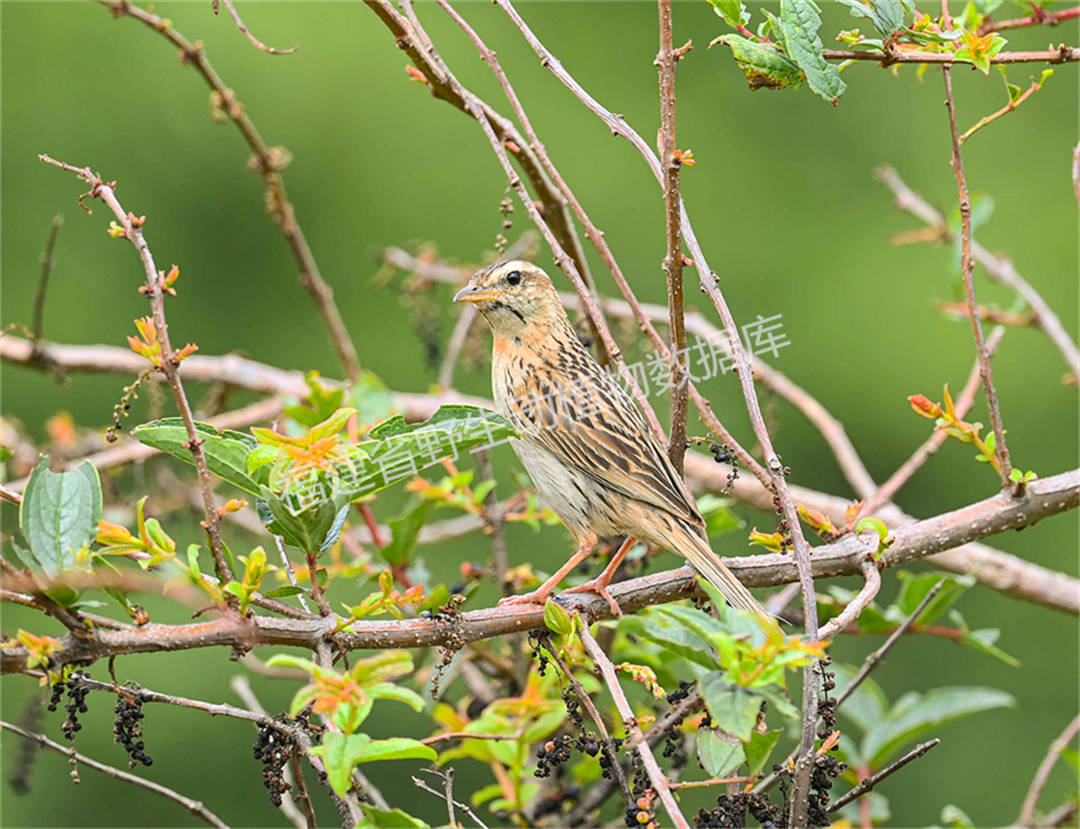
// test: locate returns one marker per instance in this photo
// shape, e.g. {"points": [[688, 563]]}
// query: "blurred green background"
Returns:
{"points": [[783, 200]]}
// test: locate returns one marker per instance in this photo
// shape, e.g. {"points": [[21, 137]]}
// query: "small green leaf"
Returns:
{"points": [[406, 530], [287, 590], [393, 819], [719, 753], [59, 513], [886, 15], [954, 818], [557, 619], [983, 640]]}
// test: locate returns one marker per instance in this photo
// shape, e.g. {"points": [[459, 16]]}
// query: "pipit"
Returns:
{"points": [[586, 446]]}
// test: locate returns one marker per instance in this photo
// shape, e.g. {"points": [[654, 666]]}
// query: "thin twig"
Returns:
{"points": [[1042, 773], [453, 347], [985, 371], [1076, 172], [673, 261], [1041, 17], [446, 795], [660, 784], [869, 783], [871, 586], [47, 262], [268, 161], [1005, 110], [258, 44], [290, 571], [194, 806], [714, 781], [168, 360], [597, 718], [998, 268], [878, 656], [887, 491]]}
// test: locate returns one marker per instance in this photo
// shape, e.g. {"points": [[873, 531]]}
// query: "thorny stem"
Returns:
{"points": [[657, 778], [982, 352], [268, 161], [169, 363], [194, 806]]}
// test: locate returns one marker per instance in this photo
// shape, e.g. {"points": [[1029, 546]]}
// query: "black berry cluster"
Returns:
{"points": [[641, 814], [272, 749], [605, 760], [77, 692], [553, 753], [731, 812], [538, 640], [672, 740], [127, 729], [821, 780]]}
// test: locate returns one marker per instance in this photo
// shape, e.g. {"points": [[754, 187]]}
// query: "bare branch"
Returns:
{"points": [[258, 44], [1001, 448], [997, 268], [660, 783], [43, 282], [1042, 774], [1039, 17], [195, 807], [869, 783], [673, 261], [269, 162], [871, 586]]}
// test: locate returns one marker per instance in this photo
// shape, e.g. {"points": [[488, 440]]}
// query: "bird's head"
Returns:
{"points": [[515, 297]]}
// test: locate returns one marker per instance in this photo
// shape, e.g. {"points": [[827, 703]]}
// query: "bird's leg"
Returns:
{"points": [[539, 596], [600, 583]]}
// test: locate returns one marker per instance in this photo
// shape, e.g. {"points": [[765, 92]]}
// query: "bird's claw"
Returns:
{"points": [[535, 597], [600, 589]]}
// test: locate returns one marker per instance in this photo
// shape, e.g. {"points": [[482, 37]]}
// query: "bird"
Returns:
{"points": [[583, 441]]}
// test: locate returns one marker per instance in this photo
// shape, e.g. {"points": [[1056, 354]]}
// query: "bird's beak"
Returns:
{"points": [[474, 293]]}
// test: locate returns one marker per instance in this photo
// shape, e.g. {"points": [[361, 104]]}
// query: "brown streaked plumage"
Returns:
{"points": [[584, 442]]}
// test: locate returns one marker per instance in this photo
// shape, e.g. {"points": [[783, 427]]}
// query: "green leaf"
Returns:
{"points": [[719, 753], [388, 690], [382, 667], [406, 530], [676, 639], [393, 819], [557, 619], [800, 21], [226, 451], [954, 817], [983, 640], [886, 15], [310, 529], [59, 513], [915, 589], [341, 753], [394, 748], [763, 65], [733, 11], [732, 707], [371, 398], [718, 515], [287, 590], [758, 749], [914, 714]]}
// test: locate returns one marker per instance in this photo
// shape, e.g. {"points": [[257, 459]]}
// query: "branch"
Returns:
{"points": [[869, 783], [871, 586], [1040, 17], [1042, 774], [258, 44], [268, 161], [673, 261], [1001, 450], [660, 783], [43, 282], [169, 361], [1063, 54], [1001, 512], [195, 807], [997, 268]]}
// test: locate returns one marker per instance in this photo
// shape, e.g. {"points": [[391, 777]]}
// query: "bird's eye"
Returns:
{"points": [[514, 277]]}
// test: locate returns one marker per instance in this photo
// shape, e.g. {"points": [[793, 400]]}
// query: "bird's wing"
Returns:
{"points": [[590, 424]]}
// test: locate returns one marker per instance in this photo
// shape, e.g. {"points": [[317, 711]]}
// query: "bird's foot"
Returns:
{"points": [[599, 586], [539, 597]]}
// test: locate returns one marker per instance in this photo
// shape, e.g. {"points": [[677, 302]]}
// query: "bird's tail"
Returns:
{"points": [[687, 543]]}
